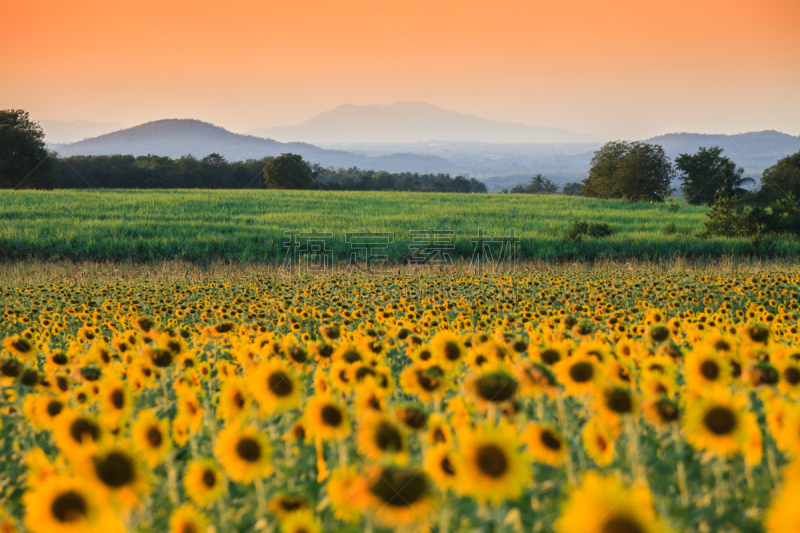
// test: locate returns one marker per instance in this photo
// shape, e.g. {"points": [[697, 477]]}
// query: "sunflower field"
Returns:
{"points": [[625, 401]]}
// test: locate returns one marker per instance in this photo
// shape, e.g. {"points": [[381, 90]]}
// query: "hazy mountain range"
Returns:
{"points": [[404, 122], [499, 164], [175, 138]]}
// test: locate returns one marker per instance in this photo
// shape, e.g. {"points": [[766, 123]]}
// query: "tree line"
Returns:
{"points": [[26, 163]]}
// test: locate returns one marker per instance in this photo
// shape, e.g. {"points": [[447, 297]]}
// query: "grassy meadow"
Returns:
{"points": [[201, 225]]}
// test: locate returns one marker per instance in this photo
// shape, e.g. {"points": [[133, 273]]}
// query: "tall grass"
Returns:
{"points": [[204, 225]]}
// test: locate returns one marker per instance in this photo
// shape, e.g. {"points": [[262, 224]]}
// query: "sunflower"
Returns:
{"points": [[187, 519], [439, 431], [397, 497], [116, 402], [424, 380], [783, 515], [284, 505], [380, 439], [535, 378], [579, 374], [204, 483], [116, 476], [326, 419], [150, 438], [598, 441], [301, 522], [614, 403], [545, 444], [661, 412], [342, 487], [448, 349], [21, 347], [713, 422], [440, 464], [491, 388], [601, 505], [66, 505], [705, 368], [244, 453], [77, 436], [491, 466], [234, 399]]}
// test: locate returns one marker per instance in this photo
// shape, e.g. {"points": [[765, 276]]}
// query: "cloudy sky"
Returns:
{"points": [[615, 69]]}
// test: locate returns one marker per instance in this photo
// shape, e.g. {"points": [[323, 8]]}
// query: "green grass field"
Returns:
{"points": [[200, 225]]}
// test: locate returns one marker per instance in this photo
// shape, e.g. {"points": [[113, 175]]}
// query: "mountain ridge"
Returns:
{"points": [[406, 121]]}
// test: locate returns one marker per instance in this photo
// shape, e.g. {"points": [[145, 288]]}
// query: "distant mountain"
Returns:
{"points": [[175, 137], [755, 150], [404, 122], [56, 131]]}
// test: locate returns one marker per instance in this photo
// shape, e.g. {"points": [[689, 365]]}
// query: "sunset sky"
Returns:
{"points": [[685, 65]]}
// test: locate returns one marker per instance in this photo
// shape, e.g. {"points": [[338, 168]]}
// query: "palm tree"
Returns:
{"points": [[537, 184], [732, 181], [549, 187]]}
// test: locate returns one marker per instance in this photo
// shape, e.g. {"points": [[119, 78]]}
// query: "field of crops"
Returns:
{"points": [[575, 401], [198, 226]]}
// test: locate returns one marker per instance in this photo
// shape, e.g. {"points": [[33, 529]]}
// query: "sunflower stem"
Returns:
{"points": [[172, 477], [633, 449], [562, 420], [676, 437], [342, 453], [261, 498], [444, 519], [720, 489], [773, 469], [222, 509]]}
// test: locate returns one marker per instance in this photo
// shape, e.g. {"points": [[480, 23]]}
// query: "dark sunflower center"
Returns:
{"points": [[81, 427], [667, 411], [710, 370], [621, 524], [427, 382], [280, 384], [496, 387], [54, 407], [248, 449], [400, 488], [115, 470], [291, 504], [619, 401], [154, 437], [298, 354], [451, 351], [720, 421], [117, 399], [414, 418], [238, 399], [447, 467], [69, 507], [21, 345], [60, 359], [162, 358], [550, 441], [581, 372], [492, 460], [792, 375], [388, 439], [438, 435], [550, 357], [209, 478], [331, 416]]}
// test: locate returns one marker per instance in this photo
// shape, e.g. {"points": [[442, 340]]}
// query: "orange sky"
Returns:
{"points": [[687, 65]]}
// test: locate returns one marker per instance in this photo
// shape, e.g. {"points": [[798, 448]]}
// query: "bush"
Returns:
{"points": [[670, 229], [579, 228]]}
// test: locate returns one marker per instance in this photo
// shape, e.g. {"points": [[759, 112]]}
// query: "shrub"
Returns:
{"points": [[579, 228], [670, 229]]}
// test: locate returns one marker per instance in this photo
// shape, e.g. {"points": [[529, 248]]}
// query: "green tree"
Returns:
{"points": [[634, 171], [573, 189], [781, 179], [707, 175], [24, 159], [288, 171]]}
